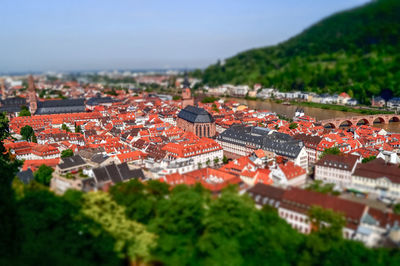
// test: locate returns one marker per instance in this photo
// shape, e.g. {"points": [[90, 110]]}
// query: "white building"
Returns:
{"points": [[336, 169]]}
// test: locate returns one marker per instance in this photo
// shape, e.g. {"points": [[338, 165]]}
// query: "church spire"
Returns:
{"points": [[186, 83], [32, 95], [186, 93]]}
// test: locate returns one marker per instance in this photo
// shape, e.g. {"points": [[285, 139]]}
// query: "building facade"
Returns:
{"points": [[336, 169], [196, 120]]}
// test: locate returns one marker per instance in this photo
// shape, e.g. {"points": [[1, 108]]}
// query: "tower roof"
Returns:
{"points": [[186, 83]]}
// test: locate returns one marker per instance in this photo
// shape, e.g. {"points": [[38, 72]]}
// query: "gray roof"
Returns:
{"points": [[265, 191], [72, 161], [12, 105], [116, 173], [61, 106], [99, 100], [261, 138], [99, 158], [195, 115], [25, 176]]}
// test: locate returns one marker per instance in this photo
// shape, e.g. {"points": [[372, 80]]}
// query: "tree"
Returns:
{"points": [[396, 208], [78, 129], [24, 111], [209, 99], [46, 220], [327, 222], [9, 223], [225, 160], [132, 240], [138, 205], [208, 162], [179, 224], [199, 165], [65, 127], [333, 150], [176, 97], [34, 139], [320, 187], [368, 159], [228, 232], [4, 129], [293, 125], [216, 161], [27, 133], [44, 174], [67, 153]]}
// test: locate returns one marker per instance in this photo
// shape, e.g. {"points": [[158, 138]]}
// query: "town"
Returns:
{"points": [[92, 139]]}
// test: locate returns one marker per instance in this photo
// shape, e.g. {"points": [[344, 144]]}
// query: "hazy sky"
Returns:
{"points": [[40, 35]]}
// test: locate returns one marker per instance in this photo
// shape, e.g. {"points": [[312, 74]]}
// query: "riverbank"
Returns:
{"points": [[342, 108]]}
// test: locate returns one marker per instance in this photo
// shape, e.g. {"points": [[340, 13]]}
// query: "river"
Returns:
{"points": [[317, 113]]}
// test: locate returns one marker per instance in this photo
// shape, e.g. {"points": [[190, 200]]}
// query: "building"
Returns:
{"points": [[394, 103], [70, 164], [311, 143], [12, 105], [203, 152], [336, 169], [95, 179], [378, 101], [371, 226], [289, 174], [266, 195], [60, 106], [343, 98], [379, 178], [96, 101], [240, 141], [196, 120], [296, 204], [212, 179]]}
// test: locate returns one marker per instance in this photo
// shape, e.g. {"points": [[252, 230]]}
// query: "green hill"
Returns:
{"points": [[356, 51]]}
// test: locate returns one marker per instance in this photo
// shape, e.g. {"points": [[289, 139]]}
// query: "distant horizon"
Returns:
{"points": [[91, 36], [94, 71]]}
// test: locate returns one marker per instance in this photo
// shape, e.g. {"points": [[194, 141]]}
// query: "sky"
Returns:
{"points": [[76, 35]]}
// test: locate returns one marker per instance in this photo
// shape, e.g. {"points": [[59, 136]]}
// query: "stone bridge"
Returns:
{"points": [[361, 119]]}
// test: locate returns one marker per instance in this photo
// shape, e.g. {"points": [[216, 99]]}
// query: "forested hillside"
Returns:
{"points": [[356, 51]]}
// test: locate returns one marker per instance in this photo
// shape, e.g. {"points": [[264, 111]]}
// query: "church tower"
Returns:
{"points": [[32, 95], [186, 93]]}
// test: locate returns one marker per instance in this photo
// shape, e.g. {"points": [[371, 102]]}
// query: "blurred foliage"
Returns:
{"points": [[43, 174]]}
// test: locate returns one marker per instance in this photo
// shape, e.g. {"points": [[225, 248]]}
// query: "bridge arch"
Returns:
{"points": [[348, 123], [378, 120], [364, 120], [394, 119], [329, 125]]}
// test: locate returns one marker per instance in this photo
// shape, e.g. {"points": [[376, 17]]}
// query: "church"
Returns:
{"points": [[194, 119]]}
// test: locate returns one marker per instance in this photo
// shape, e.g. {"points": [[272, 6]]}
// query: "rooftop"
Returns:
{"points": [[195, 115]]}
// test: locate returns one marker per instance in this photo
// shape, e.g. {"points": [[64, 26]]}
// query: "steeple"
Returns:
{"points": [[186, 93], [32, 95], [186, 83], [31, 83]]}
